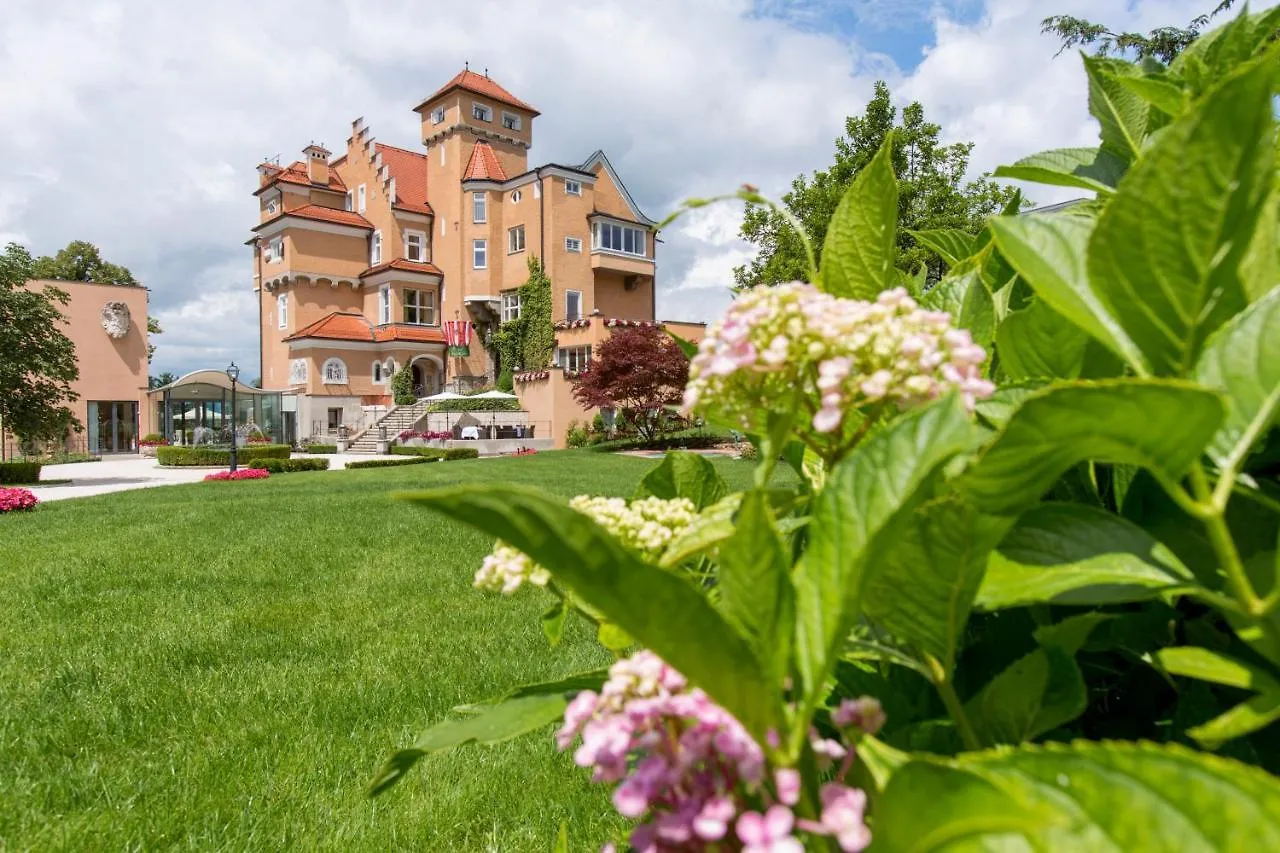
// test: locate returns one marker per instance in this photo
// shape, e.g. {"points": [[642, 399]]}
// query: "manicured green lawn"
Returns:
{"points": [[223, 666]]}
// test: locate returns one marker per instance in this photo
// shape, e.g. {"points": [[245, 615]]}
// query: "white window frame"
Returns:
{"points": [[510, 305], [361, 199], [572, 187], [437, 115], [515, 239], [375, 249], [421, 305], [376, 372], [574, 358], [604, 234], [348, 201], [481, 112], [282, 311], [480, 254], [570, 315], [409, 237], [384, 305], [272, 206], [334, 372], [573, 244], [479, 208], [515, 196], [516, 122], [273, 252]]}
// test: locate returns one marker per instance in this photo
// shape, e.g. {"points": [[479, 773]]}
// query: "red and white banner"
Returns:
{"points": [[457, 334]]}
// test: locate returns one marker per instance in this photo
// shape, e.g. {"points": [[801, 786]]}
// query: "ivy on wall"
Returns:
{"points": [[527, 342]]}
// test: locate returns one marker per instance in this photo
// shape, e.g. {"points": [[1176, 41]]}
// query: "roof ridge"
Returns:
{"points": [[399, 148]]}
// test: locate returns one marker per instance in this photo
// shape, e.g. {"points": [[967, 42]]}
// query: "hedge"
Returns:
{"points": [[473, 404], [686, 439], [183, 456], [289, 466], [431, 453], [461, 453], [388, 463], [20, 472], [322, 448]]}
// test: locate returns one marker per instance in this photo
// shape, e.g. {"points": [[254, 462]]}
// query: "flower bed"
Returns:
{"points": [[428, 435], [17, 500], [241, 474], [531, 375]]}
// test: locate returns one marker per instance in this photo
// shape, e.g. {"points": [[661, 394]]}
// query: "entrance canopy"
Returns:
{"points": [[202, 399]]}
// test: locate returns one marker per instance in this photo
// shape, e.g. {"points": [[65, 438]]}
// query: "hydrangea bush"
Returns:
{"points": [[17, 500], [1023, 589]]}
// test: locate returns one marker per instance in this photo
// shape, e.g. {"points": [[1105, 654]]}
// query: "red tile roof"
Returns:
{"points": [[346, 326], [403, 264], [409, 168], [481, 85], [296, 173], [324, 214], [484, 165]]}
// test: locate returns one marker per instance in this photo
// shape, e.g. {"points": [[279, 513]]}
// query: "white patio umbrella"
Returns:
{"points": [[444, 395], [494, 395]]}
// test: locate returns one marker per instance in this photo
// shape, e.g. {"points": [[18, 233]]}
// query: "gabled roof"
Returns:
{"points": [[409, 168], [484, 165], [322, 214], [404, 265], [296, 173], [598, 159], [349, 326], [480, 84]]}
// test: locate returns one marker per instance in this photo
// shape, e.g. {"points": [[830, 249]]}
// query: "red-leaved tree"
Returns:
{"points": [[638, 370]]}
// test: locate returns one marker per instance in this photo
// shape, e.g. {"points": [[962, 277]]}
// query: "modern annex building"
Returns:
{"points": [[362, 261]]}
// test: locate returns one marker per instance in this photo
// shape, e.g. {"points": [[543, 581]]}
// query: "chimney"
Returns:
{"points": [[317, 159]]}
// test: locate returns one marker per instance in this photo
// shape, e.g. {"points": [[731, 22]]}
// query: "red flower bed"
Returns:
{"points": [[242, 474], [432, 435], [17, 500], [258, 439], [160, 443]]}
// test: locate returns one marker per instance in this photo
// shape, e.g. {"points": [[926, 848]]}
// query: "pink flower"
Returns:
{"points": [[842, 816], [712, 822], [787, 781], [768, 833], [864, 713], [240, 474], [827, 419], [13, 499]]}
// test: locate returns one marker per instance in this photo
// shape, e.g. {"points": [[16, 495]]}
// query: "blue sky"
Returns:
{"points": [[146, 142]]}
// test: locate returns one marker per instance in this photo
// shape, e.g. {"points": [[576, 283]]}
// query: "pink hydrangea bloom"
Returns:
{"points": [[864, 713], [769, 832], [13, 499]]}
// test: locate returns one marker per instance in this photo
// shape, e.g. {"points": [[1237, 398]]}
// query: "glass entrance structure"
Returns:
{"points": [[112, 426], [196, 409]]}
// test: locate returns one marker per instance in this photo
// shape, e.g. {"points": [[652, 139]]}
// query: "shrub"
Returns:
{"points": [[425, 452], [402, 387], [747, 450], [454, 453], [239, 474], [388, 463], [20, 472], [153, 439], [577, 435], [289, 466], [17, 500], [186, 456], [471, 404], [684, 440], [321, 448]]}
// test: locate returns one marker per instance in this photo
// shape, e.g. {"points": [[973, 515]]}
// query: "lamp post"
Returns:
{"points": [[233, 373]]}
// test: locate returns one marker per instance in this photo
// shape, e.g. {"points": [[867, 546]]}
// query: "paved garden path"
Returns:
{"points": [[120, 473]]}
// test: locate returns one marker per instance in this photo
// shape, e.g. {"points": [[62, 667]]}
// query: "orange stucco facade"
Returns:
{"points": [[108, 325], [361, 258]]}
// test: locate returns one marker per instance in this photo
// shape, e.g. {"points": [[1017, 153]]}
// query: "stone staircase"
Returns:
{"points": [[396, 421]]}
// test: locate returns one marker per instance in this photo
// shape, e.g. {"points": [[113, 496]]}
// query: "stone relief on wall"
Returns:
{"points": [[115, 319], [297, 371]]}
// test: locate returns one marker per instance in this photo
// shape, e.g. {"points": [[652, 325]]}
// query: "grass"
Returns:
{"points": [[225, 666]]}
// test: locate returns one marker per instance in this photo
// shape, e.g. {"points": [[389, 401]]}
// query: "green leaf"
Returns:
{"points": [[1108, 797], [1049, 252], [553, 622], [952, 244], [1036, 694], [997, 409], [689, 348], [1120, 112], [1093, 169], [1039, 343], [867, 498], [570, 685], [922, 584], [715, 524], [1260, 268], [1246, 718], [562, 839], [1208, 665], [660, 609], [614, 638], [494, 724], [1071, 554], [1107, 421], [1158, 91], [684, 475], [1242, 360], [755, 585], [858, 253], [1167, 250], [964, 295]]}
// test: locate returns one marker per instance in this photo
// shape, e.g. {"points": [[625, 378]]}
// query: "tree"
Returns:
{"points": [[1162, 43], [162, 380], [402, 387], [933, 193], [153, 328], [39, 362], [637, 370]]}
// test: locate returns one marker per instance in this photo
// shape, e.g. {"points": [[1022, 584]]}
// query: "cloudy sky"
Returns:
{"points": [[138, 124]]}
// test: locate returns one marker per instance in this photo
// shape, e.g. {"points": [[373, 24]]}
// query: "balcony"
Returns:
{"points": [[604, 259]]}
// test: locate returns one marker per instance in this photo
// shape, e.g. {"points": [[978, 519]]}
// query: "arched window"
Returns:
{"points": [[382, 371], [378, 378], [334, 372]]}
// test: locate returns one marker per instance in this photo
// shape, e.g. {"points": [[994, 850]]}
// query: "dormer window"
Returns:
{"points": [[480, 112], [437, 115], [572, 187], [511, 121], [272, 207], [415, 246], [347, 201]]}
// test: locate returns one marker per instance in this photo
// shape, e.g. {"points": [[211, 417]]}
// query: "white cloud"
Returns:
{"points": [[137, 124]]}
